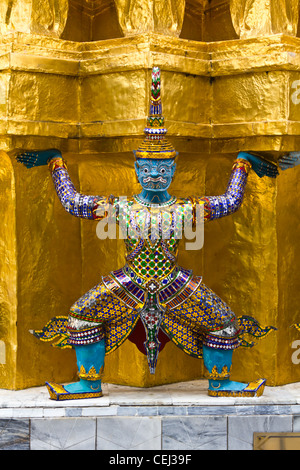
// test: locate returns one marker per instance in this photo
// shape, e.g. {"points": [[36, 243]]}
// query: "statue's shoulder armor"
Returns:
{"points": [[184, 200]]}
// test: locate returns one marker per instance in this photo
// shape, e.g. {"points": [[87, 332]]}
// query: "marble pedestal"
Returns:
{"points": [[173, 417]]}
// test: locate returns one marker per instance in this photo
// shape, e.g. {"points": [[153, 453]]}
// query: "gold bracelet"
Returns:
{"points": [[243, 164], [55, 163]]}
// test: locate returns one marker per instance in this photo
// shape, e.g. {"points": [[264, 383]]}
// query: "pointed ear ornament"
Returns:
{"points": [[155, 144]]}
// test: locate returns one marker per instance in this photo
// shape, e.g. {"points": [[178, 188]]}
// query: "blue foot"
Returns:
{"points": [[75, 391], [229, 388]]}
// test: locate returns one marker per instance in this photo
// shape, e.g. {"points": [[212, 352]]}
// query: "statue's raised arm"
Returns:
{"points": [[216, 207], [77, 204]]}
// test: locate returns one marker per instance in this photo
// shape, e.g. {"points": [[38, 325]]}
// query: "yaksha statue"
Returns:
{"points": [[152, 286]]}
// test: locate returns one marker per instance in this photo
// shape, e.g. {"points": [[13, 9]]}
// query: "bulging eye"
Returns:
{"points": [[145, 171], [162, 171]]}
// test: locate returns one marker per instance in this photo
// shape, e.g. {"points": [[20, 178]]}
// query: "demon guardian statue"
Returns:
{"points": [[151, 286]]}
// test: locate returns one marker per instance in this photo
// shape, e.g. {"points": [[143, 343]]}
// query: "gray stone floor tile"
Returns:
{"points": [[194, 433], [63, 434], [296, 423], [241, 429], [129, 433], [14, 434]]}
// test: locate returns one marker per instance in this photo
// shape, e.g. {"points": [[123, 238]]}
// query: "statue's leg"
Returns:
{"points": [[220, 339], [87, 339], [205, 325], [88, 321], [217, 356]]}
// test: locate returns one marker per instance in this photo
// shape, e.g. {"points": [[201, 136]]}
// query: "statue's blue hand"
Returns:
{"points": [[32, 158], [261, 166], [290, 160]]}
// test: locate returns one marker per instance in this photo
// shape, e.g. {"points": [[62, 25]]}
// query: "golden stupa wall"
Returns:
{"points": [[76, 75]]}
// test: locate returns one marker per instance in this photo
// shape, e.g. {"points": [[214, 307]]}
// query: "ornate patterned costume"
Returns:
{"points": [[151, 286], [189, 312]]}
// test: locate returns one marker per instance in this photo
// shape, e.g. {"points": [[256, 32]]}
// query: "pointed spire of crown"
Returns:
{"points": [[155, 145]]}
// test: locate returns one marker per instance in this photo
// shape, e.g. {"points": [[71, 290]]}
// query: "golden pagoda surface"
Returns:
{"points": [[75, 75]]}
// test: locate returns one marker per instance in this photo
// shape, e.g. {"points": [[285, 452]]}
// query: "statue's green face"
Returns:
{"points": [[154, 174]]}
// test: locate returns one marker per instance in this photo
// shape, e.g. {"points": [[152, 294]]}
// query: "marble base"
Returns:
{"points": [[173, 417]]}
